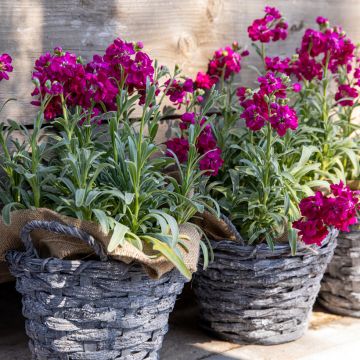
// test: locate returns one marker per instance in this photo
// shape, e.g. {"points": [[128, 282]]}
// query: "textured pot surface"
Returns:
{"points": [[340, 287], [92, 310], [250, 294]]}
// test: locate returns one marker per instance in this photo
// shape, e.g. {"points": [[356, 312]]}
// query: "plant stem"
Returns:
{"points": [[267, 161], [325, 113], [263, 53]]}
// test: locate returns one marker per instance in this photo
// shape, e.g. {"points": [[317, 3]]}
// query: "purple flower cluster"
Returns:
{"points": [[63, 75], [224, 63], [271, 27], [320, 212], [176, 90], [211, 160], [346, 94], [326, 47], [58, 74], [267, 105], [5, 66]]}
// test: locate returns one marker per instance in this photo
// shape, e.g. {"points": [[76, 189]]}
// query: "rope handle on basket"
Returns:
{"points": [[56, 227], [233, 229]]}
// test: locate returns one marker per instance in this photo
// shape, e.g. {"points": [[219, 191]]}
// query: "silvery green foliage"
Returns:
{"points": [[264, 176], [330, 127], [112, 174]]}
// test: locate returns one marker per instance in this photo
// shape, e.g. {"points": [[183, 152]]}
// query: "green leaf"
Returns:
{"points": [[205, 253], [102, 219], [168, 253], [293, 240], [174, 228], [79, 197], [118, 236], [7, 210]]}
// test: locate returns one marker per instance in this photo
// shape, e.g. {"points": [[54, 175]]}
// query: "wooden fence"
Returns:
{"points": [[183, 31]]}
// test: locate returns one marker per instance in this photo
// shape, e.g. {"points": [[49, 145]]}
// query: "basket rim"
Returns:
{"points": [[279, 249]]}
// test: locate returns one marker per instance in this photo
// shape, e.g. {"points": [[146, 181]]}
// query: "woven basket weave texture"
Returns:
{"points": [[340, 287], [91, 310], [251, 294]]}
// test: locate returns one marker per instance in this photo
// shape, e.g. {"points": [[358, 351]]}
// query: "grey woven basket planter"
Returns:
{"points": [[340, 287], [91, 310], [250, 294]]}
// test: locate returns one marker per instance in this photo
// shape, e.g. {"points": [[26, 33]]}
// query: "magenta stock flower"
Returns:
{"points": [[180, 147], [176, 90], [311, 231], [283, 118], [347, 93], [225, 60], [212, 161], [307, 68], [255, 111], [311, 206], [319, 212], [258, 109], [297, 87], [324, 47], [206, 140], [62, 73], [5, 66], [56, 74], [272, 13], [205, 145], [276, 64], [269, 28], [321, 20], [340, 211], [204, 81], [187, 119], [271, 84]]}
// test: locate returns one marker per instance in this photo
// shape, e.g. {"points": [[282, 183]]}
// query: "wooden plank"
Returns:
{"points": [[184, 32]]}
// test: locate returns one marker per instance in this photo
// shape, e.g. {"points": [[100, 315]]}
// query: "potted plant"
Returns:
{"points": [[326, 63], [261, 288], [6, 67], [103, 286]]}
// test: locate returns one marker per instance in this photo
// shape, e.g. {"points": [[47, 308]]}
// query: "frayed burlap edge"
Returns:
{"points": [[65, 247]]}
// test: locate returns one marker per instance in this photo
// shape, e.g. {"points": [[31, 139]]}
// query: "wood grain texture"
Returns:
{"points": [[184, 32]]}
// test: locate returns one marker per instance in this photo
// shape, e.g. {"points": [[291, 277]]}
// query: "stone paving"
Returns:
{"points": [[330, 337]]}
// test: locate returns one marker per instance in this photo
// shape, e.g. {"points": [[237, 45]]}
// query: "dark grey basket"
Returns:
{"points": [[340, 287], [91, 310], [250, 294]]}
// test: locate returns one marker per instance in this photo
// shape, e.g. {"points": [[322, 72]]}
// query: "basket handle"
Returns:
{"points": [[56, 227], [233, 229]]}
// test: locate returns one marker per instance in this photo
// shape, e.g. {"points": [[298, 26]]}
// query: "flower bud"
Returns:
{"points": [[164, 68], [138, 46], [48, 84], [199, 92], [36, 82], [235, 45], [58, 51]]}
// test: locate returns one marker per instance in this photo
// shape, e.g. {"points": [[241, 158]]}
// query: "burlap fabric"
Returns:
{"points": [[222, 228], [65, 247]]}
